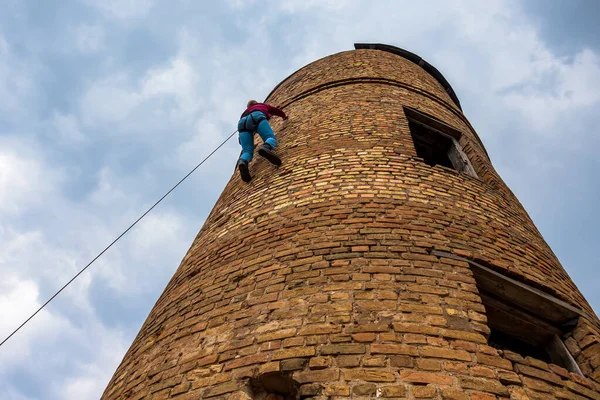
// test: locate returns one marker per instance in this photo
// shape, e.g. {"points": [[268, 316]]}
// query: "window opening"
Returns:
{"points": [[432, 147], [274, 386], [512, 328], [522, 318], [502, 341], [437, 143]]}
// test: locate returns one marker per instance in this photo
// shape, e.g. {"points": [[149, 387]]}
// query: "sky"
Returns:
{"points": [[105, 104]]}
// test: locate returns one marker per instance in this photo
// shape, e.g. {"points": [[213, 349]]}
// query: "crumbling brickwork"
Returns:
{"points": [[322, 271]]}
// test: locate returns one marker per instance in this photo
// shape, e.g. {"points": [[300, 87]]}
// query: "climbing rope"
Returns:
{"points": [[117, 239]]}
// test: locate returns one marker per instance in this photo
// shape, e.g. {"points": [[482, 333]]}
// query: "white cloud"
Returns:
{"points": [[86, 380], [108, 190], [91, 378], [154, 230], [16, 81], [206, 136], [238, 4], [294, 6], [19, 299], [24, 181], [119, 97], [67, 127], [123, 9], [179, 80], [32, 255], [575, 85], [109, 100], [89, 38]]}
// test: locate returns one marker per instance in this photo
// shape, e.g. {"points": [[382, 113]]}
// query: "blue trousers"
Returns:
{"points": [[254, 122]]}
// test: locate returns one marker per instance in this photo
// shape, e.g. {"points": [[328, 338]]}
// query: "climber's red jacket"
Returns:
{"points": [[266, 109]]}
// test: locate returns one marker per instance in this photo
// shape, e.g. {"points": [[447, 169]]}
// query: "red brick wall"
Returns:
{"points": [[321, 269]]}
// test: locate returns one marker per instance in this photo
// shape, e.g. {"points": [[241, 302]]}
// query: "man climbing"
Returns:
{"points": [[255, 119]]}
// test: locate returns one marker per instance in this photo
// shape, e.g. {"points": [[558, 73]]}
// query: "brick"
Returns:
{"points": [[244, 361], [482, 396], [340, 338], [483, 384], [323, 375], [420, 308], [293, 353], [364, 337], [401, 361], [413, 328], [379, 305], [310, 389], [390, 337], [293, 364], [332, 308], [494, 361], [514, 357], [289, 342], [467, 336], [239, 395], [353, 348], [462, 345], [393, 391], [439, 352], [374, 361], [429, 365], [423, 392], [537, 373], [559, 371], [509, 378], [280, 334], [337, 389], [517, 393], [348, 361], [192, 395], [453, 394], [394, 349], [534, 362], [369, 375], [411, 338], [181, 388], [480, 370], [242, 373], [422, 377], [452, 366], [582, 390], [537, 384], [198, 355], [319, 362], [364, 389], [223, 388], [269, 367]]}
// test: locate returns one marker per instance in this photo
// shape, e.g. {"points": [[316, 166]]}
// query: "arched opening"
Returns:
{"points": [[274, 386]]}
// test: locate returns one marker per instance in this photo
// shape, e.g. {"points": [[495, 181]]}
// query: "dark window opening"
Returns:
{"points": [[437, 143], [274, 386], [432, 147], [521, 318], [514, 328], [502, 341]]}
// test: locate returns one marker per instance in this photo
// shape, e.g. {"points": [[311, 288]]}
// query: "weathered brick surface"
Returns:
{"points": [[321, 269]]}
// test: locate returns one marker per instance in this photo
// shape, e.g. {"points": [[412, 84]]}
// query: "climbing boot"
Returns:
{"points": [[244, 170], [267, 152]]}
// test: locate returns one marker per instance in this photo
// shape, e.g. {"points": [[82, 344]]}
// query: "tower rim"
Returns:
{"points": [[410, 56], [415, 59]]}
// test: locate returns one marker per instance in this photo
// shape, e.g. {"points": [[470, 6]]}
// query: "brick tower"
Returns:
{"points": [[384, 259]]}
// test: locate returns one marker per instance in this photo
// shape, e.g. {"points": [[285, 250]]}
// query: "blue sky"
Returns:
{"points": [[105, 104]]}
